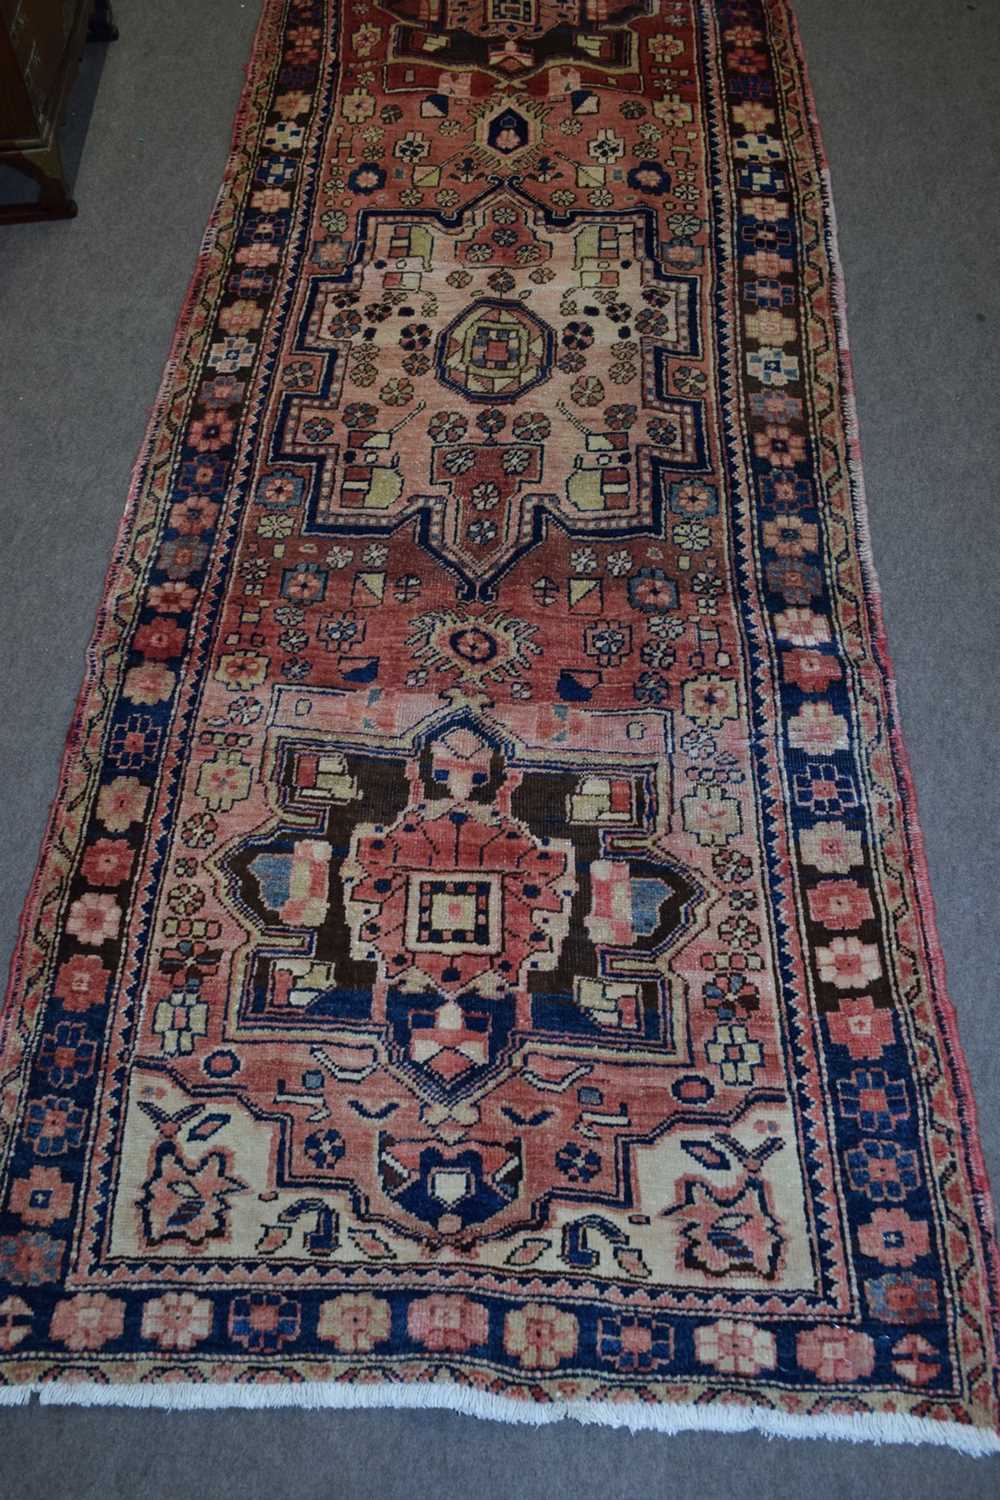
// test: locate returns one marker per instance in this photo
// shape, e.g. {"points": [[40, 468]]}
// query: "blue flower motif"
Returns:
{"points": [[882, 1170], [874, 1100]]}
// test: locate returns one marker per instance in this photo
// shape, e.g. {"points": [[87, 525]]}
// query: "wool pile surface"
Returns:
{"points": [[481, 954]]}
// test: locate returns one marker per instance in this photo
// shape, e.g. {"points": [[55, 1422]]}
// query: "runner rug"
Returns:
{"points": [[482, 954]]}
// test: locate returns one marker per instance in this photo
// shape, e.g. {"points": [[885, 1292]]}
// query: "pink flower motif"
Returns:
{"points": [[94, 918], [735, 1348], [240, 317], [41, 1197], [88, 1321], [802, 627], [848, 963], [836, 1355], [194, 515], [443, 1322], [831, 848], [215, 429], [860, 1026], [840, 904], [82, 981], [177, 1320], [539, 1336], [812, 671], [160, 639], [817, 729], [172, 597], [121, 803], [149, 683], [107, 862], [892, 1237], [355, 1322]]}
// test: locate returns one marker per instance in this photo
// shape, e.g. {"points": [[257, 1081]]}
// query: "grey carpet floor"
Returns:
{"points": [[908, 96]]}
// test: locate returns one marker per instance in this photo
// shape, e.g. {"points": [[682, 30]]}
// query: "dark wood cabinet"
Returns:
{"points": [[40, 46]]}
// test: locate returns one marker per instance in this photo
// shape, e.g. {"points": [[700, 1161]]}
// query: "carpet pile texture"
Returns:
{"points": [[482, 952]]}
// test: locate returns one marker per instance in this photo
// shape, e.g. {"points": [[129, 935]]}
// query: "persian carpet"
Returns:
{"points": [[481, 954]]}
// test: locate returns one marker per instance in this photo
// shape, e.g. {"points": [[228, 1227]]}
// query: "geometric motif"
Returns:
{"points": [[482, 939]]}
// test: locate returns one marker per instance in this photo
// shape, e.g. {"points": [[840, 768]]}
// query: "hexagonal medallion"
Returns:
{"points": [[495, 351]]}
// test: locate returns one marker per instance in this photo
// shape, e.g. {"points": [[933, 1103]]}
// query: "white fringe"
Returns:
{"points": [[869, 1427]]}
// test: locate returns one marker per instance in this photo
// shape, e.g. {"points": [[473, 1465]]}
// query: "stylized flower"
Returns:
{"points": [[41, 1197], [902, 1297], [831, 848], [224, 780], [182, 557], [305, 583], [539, 1335], [848, 963], [88, 1321], [735, 1348], [884, 1171], [873, 1099], [802, 627], [797, 582], [840, 905], [817, 730], [134, 742], [264, 1321], [812, 671], [447, 1323], [780, 446], [215, 429], [172, 598], [160, 640], [66, 1055], [532, 426], [366, 179], [650, 590], [790, 536], [397, 392], [94, 918], [30, 1259], [860, 1026], [635, 1344], [824, 789], [121, 803], [107, 862], [649, 177], [578, 1163], [177, 1320], [355, 1322], [82, 981], [324, 1148], [836, 1355], [241, 670], [357, 106], [710, 700], [240, 317], [692, 536], [149, 683], [892, 1237]]}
